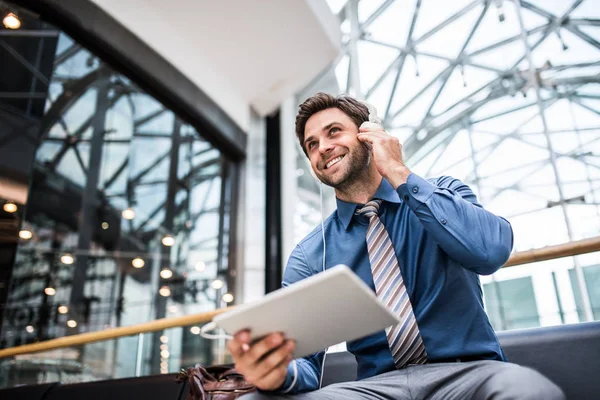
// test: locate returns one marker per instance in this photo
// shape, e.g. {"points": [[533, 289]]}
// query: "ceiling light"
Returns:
{"points": [[50, 291], [10, 207], [105, 225], [11, 21], [71, 323], [25, 234], [200, 266], [138, 262], [164, 347], [165, 354], [29, 329], [128, 213], [63, 309], [168, 240], [195, 330], [217, 284], [164, 364], [166, 273], [227, 297], [67, 259], [164, 291], [164, 339]]}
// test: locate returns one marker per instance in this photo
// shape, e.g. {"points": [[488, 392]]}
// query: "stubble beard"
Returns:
{"points": [[356, 164]]}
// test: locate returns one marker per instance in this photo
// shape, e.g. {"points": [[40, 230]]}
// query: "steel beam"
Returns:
{"points": [[587, 307]]}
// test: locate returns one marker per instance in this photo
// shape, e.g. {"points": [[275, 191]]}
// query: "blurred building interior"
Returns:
{"points": [[149, 167]]}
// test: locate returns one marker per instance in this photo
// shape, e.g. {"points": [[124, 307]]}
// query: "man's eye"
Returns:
{"points": [[311, 145], [334, 129]]}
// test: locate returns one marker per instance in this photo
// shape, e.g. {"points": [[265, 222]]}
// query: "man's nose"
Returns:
{"points": [[325, 146]]}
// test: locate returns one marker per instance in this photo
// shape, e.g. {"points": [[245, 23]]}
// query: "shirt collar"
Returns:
{"points": [[385, 192]]}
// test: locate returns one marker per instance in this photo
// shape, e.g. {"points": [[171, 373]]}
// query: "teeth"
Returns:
{"points": [[334, 161]]}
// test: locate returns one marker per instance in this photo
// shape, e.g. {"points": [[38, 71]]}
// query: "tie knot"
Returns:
{"points": [[370, 209]]}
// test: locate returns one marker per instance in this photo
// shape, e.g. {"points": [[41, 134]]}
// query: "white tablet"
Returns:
{"points": [[317, 312]]}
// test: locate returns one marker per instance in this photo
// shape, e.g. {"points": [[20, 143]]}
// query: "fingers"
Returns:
{"points": [[274, 361], [239, 344], [275, 378], [263, 363], [264, 346]]}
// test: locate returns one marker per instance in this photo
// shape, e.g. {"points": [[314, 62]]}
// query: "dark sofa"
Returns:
{"points": [[569, 355]]}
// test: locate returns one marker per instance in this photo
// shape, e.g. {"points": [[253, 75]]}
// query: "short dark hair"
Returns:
{"points": [[353, 108]]}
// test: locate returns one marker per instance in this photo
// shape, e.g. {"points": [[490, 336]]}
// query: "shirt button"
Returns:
{"points": [[415, 190], [443, 221]]}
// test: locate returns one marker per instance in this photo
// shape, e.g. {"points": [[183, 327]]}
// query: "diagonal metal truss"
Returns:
{"points": [[517, 104]]}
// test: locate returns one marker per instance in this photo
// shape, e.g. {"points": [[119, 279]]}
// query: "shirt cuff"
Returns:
{"points": [[416, 190]]}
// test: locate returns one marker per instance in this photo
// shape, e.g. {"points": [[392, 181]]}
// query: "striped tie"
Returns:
{"points": [[404, 338]]}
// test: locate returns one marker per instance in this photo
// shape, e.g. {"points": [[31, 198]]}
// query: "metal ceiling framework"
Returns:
{"points": [[464, 131], [162, 200]]}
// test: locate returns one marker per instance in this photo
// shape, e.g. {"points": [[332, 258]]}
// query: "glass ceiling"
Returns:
{"points": [[504, 95], [453, 80]]}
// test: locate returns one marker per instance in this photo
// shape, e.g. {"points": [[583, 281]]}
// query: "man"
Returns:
{"points": [[420, 245]]}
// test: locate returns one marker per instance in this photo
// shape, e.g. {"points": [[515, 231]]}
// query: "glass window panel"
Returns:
{"points": [[413, 112], [434, 13], [393, 25], [370, 71], [511, 304], [592, 279], [502, 57], [428, 68], [451, 39], [162, 124], [462, 82], [556, 7], [341, 72]]}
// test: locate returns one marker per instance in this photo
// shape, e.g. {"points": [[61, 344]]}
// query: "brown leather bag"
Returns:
{"points": [[214, 383]]}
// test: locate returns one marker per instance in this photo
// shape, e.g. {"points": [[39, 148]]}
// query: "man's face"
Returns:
{"points": [[336, 155]]}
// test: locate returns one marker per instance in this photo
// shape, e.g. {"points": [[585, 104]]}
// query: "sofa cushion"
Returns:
{"points": [[567, 354]]}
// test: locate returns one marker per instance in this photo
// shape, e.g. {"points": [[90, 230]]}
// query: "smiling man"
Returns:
{"points": [[421, 246]]}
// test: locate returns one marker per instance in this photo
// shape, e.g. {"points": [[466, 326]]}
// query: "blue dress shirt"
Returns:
{"points": [[443, 239]]}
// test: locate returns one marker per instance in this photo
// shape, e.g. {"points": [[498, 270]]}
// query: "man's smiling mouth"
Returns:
{"points": [[333, 162]]}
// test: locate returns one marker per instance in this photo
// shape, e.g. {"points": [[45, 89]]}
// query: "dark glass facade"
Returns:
{"points": [[115, 210]]}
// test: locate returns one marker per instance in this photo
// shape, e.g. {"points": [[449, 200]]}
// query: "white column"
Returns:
{"points": [[251, 271]]}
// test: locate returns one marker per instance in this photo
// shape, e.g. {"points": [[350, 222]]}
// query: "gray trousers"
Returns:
{"points": [[469, 380]]}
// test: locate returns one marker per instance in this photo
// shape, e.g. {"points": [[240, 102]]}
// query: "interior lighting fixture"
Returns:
{"points": [[11, 21], [164, 291], [217, 284], [227, 297], [138, 262], [200, 266], [195, 330], [67, 259], [128, 213], [50, 291], [10, 207], [25, 234], [71, 323], [63, 309], [166, 273], [168, 240]]}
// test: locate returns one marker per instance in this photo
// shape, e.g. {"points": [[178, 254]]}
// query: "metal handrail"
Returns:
{"points": [[523, 257], [573, 248], [114, 333]]}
